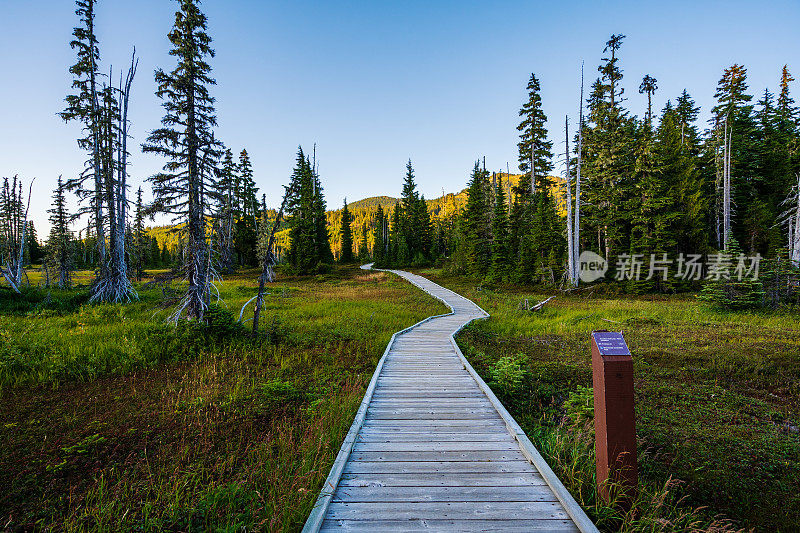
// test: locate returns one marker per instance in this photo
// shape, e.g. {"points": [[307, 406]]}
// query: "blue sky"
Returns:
{"points": [[376, 83]]}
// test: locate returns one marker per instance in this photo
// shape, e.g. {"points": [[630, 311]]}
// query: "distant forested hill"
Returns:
{"points": [[363, 212]]}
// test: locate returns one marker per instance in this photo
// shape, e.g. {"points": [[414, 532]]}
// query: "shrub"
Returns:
{"points": [[508, 373]]}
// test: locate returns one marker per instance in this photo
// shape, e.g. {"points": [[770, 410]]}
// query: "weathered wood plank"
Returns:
{"points": [[441, 455], [411, 510], [433, 467], [539, 493], [443, 480], [449, 526], [440, 446]]}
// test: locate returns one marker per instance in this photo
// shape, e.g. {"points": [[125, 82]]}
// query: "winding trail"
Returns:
{"points": [[432, 449]]}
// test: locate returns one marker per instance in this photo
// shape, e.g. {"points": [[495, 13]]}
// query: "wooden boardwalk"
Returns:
{"points": [[432, 449]]}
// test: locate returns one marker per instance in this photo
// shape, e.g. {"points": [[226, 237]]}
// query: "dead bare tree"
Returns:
{"points": [[576, 234], [268, 258], [568, 193], [14, 224], [726, 185], [113, 284]]}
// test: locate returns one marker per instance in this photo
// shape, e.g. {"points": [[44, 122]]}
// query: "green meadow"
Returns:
{"points": [[111, 419]]}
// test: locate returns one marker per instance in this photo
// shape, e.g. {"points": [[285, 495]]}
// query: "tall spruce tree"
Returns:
{"points": [[140, 244], [477, 222], [649, 87], [733, 127], [227, 183], [533, 147], [363, 244], [187, 140], [59, 243], [346, 255], [84, 106], [500, 263], [379, 236]]}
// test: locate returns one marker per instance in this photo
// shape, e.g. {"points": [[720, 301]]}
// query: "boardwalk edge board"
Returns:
{"points": [[315, 520]]}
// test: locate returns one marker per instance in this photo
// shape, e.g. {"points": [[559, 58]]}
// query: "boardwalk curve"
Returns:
{"points": [[432, 449]]}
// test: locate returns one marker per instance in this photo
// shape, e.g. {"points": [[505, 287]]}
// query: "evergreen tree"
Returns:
{"points": [[346, 255], [649, 87], [323, 242], [363, 245], [139, 248], [729, 289], [733, 128], [154, 256], [500, 264], [246, 234], [477, 224], [247, 191], [379, 237], [33, 249], [309, 240], [59, 243], [302, 234], [187, 140], [229, 213], [534, 149], [410, 228], [84, 106], [424, 232]]}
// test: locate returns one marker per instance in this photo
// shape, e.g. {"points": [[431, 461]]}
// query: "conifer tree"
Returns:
{"points": [[363, 245], [302, 235], [534, 148], [84, 106], [154, 255], [500, 264], [246, 234], [323, 242], [139, 238], [729, 289], [425, 232], [346, 255], [649, 87], [187, 140], [477, 224], [379, 236], [59, 243], [33, 249], [733, 127], [227, 184]]}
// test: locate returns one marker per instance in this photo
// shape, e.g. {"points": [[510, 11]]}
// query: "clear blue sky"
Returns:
{"points": [[375, 83]]}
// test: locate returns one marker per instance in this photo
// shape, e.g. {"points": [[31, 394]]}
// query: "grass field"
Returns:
{"points": [[717, 397], [112, 420]]}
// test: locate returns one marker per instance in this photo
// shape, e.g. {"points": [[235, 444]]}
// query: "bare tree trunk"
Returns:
{"points": [[268, 261], [795, 233], [568, 190], [577, 232], [726, 193]]}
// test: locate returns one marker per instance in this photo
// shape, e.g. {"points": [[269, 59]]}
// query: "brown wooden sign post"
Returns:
{"points": [[614, 417]]}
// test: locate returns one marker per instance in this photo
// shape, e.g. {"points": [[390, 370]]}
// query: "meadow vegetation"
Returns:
{"points": [[111, 419], [717, 400]]}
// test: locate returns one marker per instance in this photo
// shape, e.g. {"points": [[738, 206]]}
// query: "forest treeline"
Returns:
{"points": [[659, 187]]}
